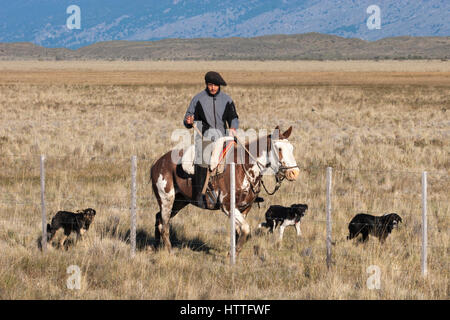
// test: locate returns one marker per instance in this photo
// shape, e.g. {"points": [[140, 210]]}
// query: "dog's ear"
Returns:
{"points": [[395, 216], [89, 211], [300, 206]]}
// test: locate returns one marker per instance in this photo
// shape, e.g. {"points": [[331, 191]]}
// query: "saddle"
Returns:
{"points": [[217, 163], [220, 149]]}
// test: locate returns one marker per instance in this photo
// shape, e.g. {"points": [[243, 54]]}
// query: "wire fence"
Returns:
{"points": [[343, 187]]}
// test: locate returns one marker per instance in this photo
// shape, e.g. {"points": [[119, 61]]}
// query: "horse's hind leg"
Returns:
{"points": [[158, 227], [179, 203], [165, 229], [166, 196]]}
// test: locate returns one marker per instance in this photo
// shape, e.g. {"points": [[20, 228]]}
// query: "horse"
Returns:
{"points": [[172, 186]]}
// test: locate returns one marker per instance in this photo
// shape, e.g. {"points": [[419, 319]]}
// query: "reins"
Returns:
{"points": [[278, 177]]}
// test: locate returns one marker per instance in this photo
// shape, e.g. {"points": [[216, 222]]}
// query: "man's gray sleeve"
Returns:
{"points": [[235, 123], [190, 112]]}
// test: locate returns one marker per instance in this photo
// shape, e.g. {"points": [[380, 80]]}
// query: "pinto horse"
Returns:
{"points": [[173, 187]]}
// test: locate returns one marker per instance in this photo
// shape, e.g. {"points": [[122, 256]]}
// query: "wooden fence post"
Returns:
{"points": [[133, 206], [424, 224], [328, 209], [43, 209], [232, 208]]}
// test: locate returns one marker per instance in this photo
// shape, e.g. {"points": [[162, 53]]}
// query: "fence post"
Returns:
{"points": [[44, 214], [232, 208], [328, 209], [133, 207], [424, 224]]}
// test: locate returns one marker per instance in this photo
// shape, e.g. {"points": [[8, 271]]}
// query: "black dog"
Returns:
{"points": [[78, 222], [284, 216], [366, 224]]}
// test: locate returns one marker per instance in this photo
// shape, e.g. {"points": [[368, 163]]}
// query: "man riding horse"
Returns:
{"points": [[210, 113], [213, 112]]}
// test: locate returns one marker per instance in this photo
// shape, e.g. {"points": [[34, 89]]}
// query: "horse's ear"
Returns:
{"points": [[286, 134], [276, 133]]}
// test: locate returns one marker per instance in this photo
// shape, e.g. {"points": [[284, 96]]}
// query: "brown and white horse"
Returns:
{"points": [[173, 187]]}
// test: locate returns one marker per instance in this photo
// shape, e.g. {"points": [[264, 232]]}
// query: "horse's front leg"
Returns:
{"points": [[242, 229]]}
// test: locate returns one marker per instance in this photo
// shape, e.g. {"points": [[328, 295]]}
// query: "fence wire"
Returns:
{"points": [[341, 177]]}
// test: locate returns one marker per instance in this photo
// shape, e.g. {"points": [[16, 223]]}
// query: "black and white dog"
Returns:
{"points": [[283, 217], [379, 227]]}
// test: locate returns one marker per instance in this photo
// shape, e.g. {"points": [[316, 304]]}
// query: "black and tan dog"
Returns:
{"points": [[379, 227], [78, 222], [283, 217]]}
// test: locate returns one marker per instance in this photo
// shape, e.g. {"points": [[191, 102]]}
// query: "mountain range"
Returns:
{"points": [[44, 22]]}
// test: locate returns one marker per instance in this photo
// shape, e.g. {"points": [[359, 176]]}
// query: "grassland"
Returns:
{"points": [[378, 124]]}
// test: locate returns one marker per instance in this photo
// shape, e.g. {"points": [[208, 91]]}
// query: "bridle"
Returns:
{"points": [[280, 175]]}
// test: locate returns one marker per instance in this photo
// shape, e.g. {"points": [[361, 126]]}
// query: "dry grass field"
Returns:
{"points": [[378, 124]]}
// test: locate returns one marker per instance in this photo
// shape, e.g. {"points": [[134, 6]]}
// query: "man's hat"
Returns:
{"points": [[214, 78]]}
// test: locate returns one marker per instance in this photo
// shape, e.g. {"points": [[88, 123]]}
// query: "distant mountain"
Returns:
{"points": [[310, 46], [43, 22]]}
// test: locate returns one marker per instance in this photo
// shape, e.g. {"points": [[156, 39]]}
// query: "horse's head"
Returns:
{"points": [[281, 155]]}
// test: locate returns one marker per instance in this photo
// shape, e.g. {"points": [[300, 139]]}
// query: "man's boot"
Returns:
{"points": [[198, 181]]}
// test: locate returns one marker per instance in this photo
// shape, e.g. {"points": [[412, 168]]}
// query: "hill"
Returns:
{"points": [[310, 46]]}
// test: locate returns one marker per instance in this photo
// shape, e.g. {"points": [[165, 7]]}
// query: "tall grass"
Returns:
{"points": [[378, 138]]}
